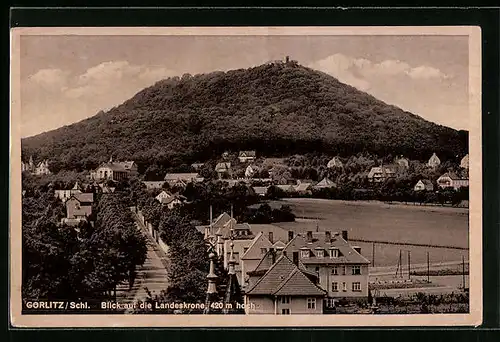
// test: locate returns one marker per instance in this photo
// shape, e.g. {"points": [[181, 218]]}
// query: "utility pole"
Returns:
{"points": [[428, 268], [463, 271], [409, 263], [373, 254]]}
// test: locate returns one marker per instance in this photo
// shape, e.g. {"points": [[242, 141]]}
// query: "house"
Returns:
{"points": [[172, 201], [78, 207], [434, 161], [303, 188], [63, 195], [150, 185], [452, 180], [325, 183], [382, 173], [341, 268], [402, 162], [424, 185], [130, 167], [105, 189], [464, 163], [182, 179], [111, 171], [260, 190], [334, 162], [29, 166], [245, 156], [250, 171], [223, 169], [266, 237], [209, 231], [197, 166], [288, 188], [284, 289], [163, 195], [42, 168], [115, 171]]}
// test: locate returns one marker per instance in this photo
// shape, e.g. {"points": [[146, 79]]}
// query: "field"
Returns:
{"points": [[398, 223]]}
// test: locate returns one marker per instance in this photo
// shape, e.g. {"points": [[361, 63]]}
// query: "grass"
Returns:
{"points": [[384, 222]]}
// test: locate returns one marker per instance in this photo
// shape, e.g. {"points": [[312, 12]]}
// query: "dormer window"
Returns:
{"points": [[334, 253], [320, 253], [304, 253]]}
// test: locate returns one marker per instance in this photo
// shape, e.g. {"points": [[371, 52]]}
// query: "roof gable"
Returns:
{"points": [[254, 250], [298, 284], [270, 281]]}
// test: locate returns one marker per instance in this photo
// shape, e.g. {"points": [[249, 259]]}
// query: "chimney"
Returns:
{"points": [[290, 235], [287, 58], [357, 249], [328, 237], [296, 258], [309, 236], [344, 235], [271, 237]]}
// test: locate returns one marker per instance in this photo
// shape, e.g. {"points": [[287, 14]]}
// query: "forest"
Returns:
{"points": [[275, 109]]}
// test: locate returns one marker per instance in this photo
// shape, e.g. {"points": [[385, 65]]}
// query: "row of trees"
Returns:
{"points": [[78, 263], [188, 253], [388, 192]]}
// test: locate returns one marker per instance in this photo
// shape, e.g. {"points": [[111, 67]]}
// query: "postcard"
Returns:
{"points": [[245, 177]]}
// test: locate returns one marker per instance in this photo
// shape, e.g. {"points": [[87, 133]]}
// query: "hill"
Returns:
{"points": [[276, 109]]}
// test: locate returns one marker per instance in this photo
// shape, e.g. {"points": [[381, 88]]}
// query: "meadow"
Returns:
{"points": [[376, 221]]}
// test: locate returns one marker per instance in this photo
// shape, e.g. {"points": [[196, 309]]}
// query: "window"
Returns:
{"points": [[285, 300], [344, 286], [304, 253], [311, 303], [344, 270], [356, 286], [285, 311], [335, 286], [335, 270], [356, 270], [320, 253], [334, 253]]}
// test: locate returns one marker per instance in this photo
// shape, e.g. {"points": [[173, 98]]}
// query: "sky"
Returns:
{"points": [[65, 79]]}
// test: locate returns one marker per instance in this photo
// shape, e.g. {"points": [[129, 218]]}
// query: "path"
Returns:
{"points": [[152, 275]]}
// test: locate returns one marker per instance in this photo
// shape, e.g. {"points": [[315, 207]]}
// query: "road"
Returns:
{"points": [[152, 275]]}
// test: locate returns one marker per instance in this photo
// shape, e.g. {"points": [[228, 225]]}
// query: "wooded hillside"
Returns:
{"points": [[276, 109]]}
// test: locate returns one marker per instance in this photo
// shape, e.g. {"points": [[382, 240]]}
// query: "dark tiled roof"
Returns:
{"points": [[453, 176], [298, 284], [347, 254], [260, 190], [84, 197], [285, 278], [181, 176], [426, 182]]}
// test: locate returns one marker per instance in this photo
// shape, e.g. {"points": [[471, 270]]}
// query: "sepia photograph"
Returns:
{"points": [[252, 176]]}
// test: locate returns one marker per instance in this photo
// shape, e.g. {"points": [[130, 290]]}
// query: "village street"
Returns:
{"points": [[152, 275]]}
